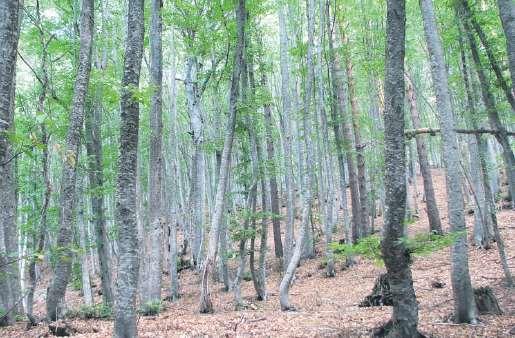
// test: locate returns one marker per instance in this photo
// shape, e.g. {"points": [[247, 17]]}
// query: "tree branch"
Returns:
{"points": [[411, 133]]}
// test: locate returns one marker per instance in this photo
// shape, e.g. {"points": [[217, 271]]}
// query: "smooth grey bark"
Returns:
{"points": [[173, 175], [307, 153], [206, 306], [507, 15], [404, 319], [489, 53], [344, 143], [61, 275], [287, 134], [156, 155], [274, 194], [364, 227], [328, 196], [482, 218], [433, 215], [10, 13], [84, 259], [93, 135], [128, 261], [337, 105], [493, 117], [464, 304], [197, 191]]}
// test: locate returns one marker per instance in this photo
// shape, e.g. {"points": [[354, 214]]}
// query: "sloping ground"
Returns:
{"points": [[326, 306]]}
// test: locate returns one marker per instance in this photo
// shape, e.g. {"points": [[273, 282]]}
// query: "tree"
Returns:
{"points": [[128, 262], [464, 305], [156, 155], [435, 226], [9, 34], [57, 288], [404, 319], [206, 306], [507, 15]]}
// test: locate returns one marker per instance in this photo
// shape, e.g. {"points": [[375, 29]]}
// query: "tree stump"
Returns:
{"points": [[381, 295], [486, 301]]}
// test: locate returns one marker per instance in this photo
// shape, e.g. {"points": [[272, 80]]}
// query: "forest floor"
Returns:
{"points": [[326, 307]]}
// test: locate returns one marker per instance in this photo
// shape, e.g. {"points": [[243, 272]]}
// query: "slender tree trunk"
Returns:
{"points": [[156, 154], [507, 15], [9, 34], [433, 215], [128, 262], [465, 307], [276, 223], [93, 133], [84, 259], [344, 142], [287, 134], [307, 173], [404, 319], [364, 227], [206, 306], [57, 287], [493, 116], [336, 106]]}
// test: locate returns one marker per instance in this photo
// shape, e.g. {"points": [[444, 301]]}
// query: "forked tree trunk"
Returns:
{"points": [[57, 287], [206, 306], [404, 319], [128, 262], [464, 306]]}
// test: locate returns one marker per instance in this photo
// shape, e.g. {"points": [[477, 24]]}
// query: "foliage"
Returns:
{"points": [[96, 311], [419, 245], [151, 308]]}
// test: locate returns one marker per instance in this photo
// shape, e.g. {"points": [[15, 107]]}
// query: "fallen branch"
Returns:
{"points": [[411, 133]]}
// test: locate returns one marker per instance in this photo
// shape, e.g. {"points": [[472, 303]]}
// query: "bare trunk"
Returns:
{"points": [[404, 319], [206, 306], [465, 308], [507, 15], [156, 155], [57, 287], [433, 215], [128, 262]]}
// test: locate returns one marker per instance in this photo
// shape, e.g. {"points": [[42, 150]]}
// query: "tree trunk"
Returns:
{"points": [[206, 306], [307, 173], [344, 143], [433, 215], [156, 155], [507, 15], [489, 53], [337, 107], [128, 262], [404, 319], [364, 227], [493, 116], [57, 287], [10, 12], [465, 309], [287, 134], [276, 223]]}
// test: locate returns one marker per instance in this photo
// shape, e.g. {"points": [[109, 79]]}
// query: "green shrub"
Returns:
{"points": [[419, 245], [97, 311], [247, 276], [151, 308]]}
